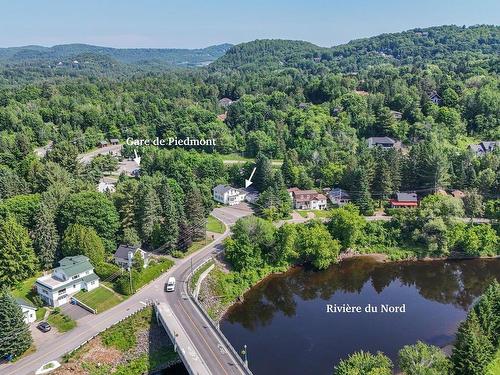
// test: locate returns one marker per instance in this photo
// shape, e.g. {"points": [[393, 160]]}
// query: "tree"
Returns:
{"points": [[488, 312], [148, 211], [473, 350], [45, 237], [138, 262], [91, 209], [263, 177], [360, 192], [17, 257], [65, 154], [82, 240], [346, 225], [473, 204], [423, 359], [170, 214], [441, 205], [195, 213], [316, 246], [15, 336], [364, 363], [285, 250], [130, 237]]}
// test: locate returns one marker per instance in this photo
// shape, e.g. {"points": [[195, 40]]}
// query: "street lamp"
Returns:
{"points": [[245, 353]]}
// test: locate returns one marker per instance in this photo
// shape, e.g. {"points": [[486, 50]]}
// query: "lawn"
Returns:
{"points": [[195, 246], [197, 274], [25, 289], [152, 272], [62, 322], [215, 225], [494, 367], [100, 299], [317, 213], [40, 313]]}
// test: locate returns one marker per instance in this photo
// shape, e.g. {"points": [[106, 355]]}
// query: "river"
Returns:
{"points": [[284, 323]]}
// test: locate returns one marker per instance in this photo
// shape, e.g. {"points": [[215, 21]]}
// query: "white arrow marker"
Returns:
{"points": [[137, 158], [249, 181]]}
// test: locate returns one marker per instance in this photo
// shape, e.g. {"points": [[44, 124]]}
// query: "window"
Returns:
{"points": [[62, 291], [75, 277]]}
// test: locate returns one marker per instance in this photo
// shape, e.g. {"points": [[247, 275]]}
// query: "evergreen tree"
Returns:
{"points": [[423, 359], [195, 213], [473, 350], [360, 192], [125, 202], [382, 182], [289, 168], [170, 214], [17, 258], [45, 237], [185, 238], [148, 211], [488, 312], [264, 172], [15, 336]]}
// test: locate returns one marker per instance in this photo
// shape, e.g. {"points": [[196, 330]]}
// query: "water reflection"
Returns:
{"points": [[287, 312]]}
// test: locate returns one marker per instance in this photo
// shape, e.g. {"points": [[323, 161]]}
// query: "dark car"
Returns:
{"points": [[44, 327]]}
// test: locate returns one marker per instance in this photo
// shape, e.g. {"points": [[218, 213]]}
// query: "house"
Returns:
{"points": [[483, 147], [404, 200], [28, 309], [102, 144], [73, 274], [106, 185], [251, 194], [226, 194], [361, 92], [397, 115], [384, 142], [114, 141], [124, 255], [225, 102], [435, 98], [441, 192], [339, 196], [307, 199], [458, 194]]}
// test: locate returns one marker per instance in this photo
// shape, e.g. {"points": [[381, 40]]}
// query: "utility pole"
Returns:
{"points": [[130, 275], [245, 353]]}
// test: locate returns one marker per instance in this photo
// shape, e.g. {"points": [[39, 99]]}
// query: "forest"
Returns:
{"points": [[311, 108]]}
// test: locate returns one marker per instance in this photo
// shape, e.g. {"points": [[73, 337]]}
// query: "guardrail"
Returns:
{"points": [[83, 305], [212, 324]]}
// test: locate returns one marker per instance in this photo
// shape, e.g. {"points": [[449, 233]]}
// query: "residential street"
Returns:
{"points": [[55, 346]]}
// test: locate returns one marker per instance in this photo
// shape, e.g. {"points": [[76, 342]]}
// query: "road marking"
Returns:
{"points": [[203, 338], [144, 303]]}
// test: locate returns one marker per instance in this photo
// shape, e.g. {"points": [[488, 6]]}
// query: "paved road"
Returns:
{"points": [[204, 338], [57, 345]]}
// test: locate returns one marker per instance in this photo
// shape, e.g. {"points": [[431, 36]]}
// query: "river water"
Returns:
{"points": [[284, 323]]}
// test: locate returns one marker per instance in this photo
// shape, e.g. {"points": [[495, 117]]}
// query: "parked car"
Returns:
{"points": [[44, 327], [170, 286]]}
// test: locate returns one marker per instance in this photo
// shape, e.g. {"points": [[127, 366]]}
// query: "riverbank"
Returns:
{"points": [[213, 291], [135, 346]]}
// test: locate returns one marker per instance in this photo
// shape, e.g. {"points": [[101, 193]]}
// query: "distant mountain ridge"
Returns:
{"points": [[67, 53]]}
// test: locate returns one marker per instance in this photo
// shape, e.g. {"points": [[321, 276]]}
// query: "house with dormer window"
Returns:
{"points": [[73, 274]]}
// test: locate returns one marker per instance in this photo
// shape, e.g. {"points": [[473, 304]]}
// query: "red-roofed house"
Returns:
{"points": [[404, 200]]}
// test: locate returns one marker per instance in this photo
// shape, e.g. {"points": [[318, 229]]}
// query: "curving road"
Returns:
{"points": [[55, 346]]}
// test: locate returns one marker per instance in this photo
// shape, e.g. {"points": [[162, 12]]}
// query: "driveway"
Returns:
{"points": [[88, 156], [75, 312]]}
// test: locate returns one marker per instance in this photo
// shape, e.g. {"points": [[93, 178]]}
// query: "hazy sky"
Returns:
{"points": [[199, 23]]}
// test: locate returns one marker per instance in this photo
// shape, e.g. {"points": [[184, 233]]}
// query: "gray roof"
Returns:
{"points": [[406, 197], [381, 140], [24, 303], [122, 251], [89, 278], [72, 266], [223, 188]]}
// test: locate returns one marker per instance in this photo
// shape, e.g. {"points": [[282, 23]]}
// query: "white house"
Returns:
{"points": [[124, 255], [107, 185], [28, 309], [226, 194], [339, 196], [73, 274], [307, 199]]}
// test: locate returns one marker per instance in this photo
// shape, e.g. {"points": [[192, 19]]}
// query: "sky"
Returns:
{"points": [[196, 23]]}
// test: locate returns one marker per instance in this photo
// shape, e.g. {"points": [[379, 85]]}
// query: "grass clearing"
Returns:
{"points": [[40, 313], [122, 336], [62, 322], [100, 299], [152, 272], [25, 289], [215, 225], [317, 213], [197, 274], [195, 246]]}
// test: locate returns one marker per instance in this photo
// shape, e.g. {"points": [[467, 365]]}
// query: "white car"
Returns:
{"points": [[170, 287]]}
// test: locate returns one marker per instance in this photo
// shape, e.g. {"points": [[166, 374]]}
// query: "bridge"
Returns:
{"points": [[201, 345]]}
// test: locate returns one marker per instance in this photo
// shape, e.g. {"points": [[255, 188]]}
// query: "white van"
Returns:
{"points": [[170, 287]]}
